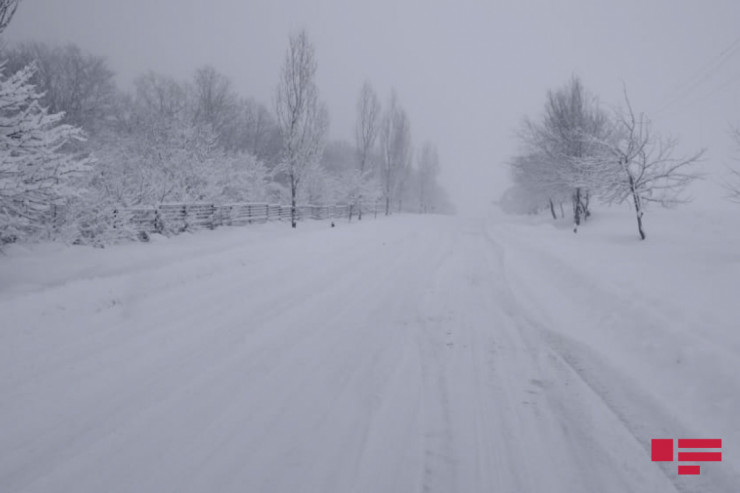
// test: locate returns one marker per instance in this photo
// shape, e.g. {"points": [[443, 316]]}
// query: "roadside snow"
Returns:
{"points": [[653, 326]]}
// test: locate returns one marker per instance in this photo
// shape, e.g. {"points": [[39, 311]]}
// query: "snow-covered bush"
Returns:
{"points": [[238, 178]]}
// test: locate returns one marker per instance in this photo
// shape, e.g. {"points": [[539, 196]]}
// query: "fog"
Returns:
{"points": [[466, 71], [207, 285]]}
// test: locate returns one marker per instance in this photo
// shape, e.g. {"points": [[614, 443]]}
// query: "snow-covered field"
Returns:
{"points": [[416, 353]]}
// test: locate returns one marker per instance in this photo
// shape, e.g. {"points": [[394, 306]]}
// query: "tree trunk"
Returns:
{"points": [[293, 218], [359, 209], [387, 206], [638, 208], [552, 210], [585, 200], [562, 211], [576, 209]]}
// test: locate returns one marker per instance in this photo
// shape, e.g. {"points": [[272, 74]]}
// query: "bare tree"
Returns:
{"points": [[71, 81], [215, 104], [162, 96], [368, 121], [428, 171], [366, 134], [636, 164], [302, 118], [404, 177], [395, 143], [7, 11], [260, 134]]}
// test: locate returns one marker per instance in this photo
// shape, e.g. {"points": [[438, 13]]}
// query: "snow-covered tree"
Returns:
{"points": [[302, 118], [637, 165], [518, 200], [239, 178], [35, 170], [366, 136], [157, 153], [395, 150], [565, 139], [578, 151], [538, 179]]}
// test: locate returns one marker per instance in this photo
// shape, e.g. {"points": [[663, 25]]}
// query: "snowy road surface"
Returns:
{"points": [[415, 354]]}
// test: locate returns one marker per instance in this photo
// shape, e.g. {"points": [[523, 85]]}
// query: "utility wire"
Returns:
{"points": [[706, 96], [703, 74]]}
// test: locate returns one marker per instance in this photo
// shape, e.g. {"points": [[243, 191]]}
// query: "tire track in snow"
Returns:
{"points": [[638, 414]]}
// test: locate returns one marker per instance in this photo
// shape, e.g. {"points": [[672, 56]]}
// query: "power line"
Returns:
{"points": [[704, 74], [708, 95]]}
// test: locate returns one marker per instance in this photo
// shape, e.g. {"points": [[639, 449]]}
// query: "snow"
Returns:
{"points": [[416, 353]]}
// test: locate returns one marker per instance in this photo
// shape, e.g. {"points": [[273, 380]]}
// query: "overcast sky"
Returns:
{"points": [[467, 71]]}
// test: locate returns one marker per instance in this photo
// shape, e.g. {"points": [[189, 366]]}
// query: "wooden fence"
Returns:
{"points": [[177, 218]]}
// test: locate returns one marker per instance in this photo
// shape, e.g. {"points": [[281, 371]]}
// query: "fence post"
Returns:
{"points": [[212, 217], [185, 226], [158, 226]]}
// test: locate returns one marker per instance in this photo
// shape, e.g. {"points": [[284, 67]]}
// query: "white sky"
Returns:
{"points": [[467, 71]]}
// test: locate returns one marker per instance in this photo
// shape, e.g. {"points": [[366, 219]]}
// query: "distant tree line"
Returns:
{"points": [[75, 146], [577, 152]]}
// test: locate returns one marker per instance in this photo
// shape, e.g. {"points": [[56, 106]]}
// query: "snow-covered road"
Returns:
{"points": [[416, 354]]}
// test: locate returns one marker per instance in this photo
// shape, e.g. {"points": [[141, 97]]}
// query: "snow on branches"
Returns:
{"points": [[578, 151], [634, 164], [36, 169]]}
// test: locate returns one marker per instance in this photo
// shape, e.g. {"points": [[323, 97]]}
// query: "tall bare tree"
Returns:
{"points": [[395, 146], [428, 172], [303, 120], [367, 126], [366, 134]]}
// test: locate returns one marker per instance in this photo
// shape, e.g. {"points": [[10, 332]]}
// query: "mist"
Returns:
{"points": [[389, 247], [468, 72]]}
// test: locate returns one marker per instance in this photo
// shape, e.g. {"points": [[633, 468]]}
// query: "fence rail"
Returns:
{"points": [[177, 218]]}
